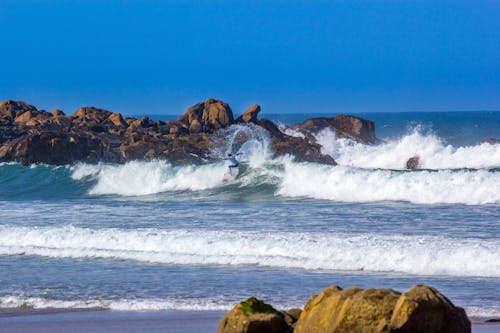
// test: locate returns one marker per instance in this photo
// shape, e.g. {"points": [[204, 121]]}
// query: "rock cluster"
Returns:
{"points": [[29, 135], [421, 309]]}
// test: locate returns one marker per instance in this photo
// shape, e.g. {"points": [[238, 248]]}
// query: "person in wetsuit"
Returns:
{"points": [[233, 160]]}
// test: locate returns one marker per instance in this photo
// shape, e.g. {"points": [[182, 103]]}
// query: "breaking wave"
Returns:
{"points": [[287, 178], [393, 153], [421, 255]]}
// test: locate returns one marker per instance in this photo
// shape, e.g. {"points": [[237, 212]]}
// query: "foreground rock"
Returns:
{"points": [[255, 316], [420, 310], [29, 135]]}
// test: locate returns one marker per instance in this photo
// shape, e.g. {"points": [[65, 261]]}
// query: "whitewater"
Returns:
{"points": [[152, 236]]}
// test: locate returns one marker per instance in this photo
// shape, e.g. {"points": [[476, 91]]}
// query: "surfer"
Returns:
{"points": [[233, 160]]}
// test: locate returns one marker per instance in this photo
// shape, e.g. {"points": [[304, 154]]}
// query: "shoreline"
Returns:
{"points": [[13, 320]]}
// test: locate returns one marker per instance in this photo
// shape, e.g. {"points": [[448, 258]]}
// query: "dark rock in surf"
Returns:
{"points": [[413, 163]]}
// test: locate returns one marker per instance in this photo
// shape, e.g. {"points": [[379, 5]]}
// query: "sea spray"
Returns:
{"points": [[393, 153]]}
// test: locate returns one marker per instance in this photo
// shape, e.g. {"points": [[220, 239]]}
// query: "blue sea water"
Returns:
{"points": [[151, 236]]}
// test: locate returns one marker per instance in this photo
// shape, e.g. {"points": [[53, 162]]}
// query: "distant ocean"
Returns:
{"points": [[151, 236]]}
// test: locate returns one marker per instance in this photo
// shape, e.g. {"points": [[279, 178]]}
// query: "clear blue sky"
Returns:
{"points": [[139, 57]]}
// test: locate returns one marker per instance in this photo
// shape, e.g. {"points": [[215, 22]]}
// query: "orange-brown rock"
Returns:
{"points": [[352, 310], [57, 113], [207, 117], [420, 310], [423, 309], [117, 120], [250, 115]]}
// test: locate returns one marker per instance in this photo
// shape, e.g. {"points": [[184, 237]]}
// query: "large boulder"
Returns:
{"points": [[253, 316], [344, 126], [423, 309], [207, 117], [352, 310], [420, 310]]}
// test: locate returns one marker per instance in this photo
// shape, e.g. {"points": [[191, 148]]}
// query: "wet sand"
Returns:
{"points": [[95, 321]]}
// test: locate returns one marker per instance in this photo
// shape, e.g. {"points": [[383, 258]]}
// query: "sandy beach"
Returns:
{"points": [[45, 321]]}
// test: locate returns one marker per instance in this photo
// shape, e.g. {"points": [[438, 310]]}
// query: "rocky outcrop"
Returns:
{"points": [[344, 126], [420, 310], [254, 316], [29, 135]]}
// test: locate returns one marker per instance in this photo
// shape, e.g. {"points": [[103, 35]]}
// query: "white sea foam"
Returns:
{"points": [[114, 304], [16, 301], [143, 178], [393, 154], [290, 131], [422, 255], [345, 184], [291, 179]]}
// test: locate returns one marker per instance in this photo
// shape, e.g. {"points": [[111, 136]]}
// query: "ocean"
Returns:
{"points": [[147, 236]]}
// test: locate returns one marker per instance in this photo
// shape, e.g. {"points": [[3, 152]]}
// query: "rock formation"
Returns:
{"points": [[343, 126], [420, 310], [29, 135]]}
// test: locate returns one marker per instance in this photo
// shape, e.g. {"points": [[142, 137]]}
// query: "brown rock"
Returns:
{"points": [[250, 115], [253, 316], [93, 114], [57, 113], [52, 148], [420, 310], [12, 109], [207, 117], [355, 128], [425, 310], [302, 149], [141, 123], [39, 115], [352, 310], [344, 126], [117, 120]]}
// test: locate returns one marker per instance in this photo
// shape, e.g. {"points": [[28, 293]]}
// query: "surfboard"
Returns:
{"points": [[230, 174]]}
